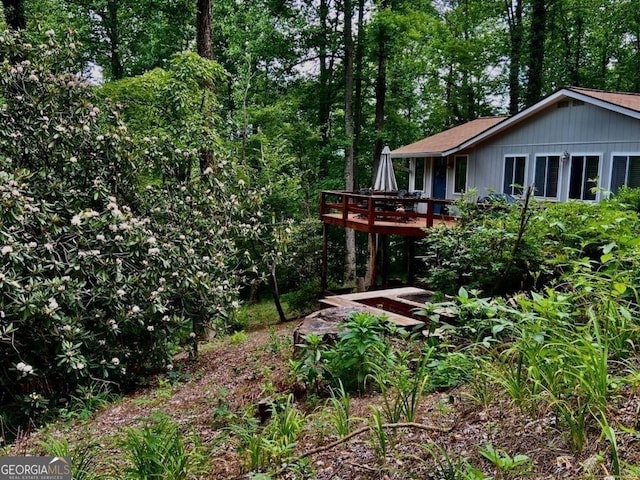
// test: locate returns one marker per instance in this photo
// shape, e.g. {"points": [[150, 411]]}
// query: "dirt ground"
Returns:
{"points": [[234, 377]]}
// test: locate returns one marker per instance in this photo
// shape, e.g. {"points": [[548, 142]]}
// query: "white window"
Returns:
{"points": [[514, 174], [625, 170], [584, 177], [460, 177], [546, 176]]}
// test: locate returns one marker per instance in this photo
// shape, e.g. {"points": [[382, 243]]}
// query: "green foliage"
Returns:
{"points": [[101, 280], [340, 415], [83, 459], [266, 448], [505, 463], [361, 350], [159, 450], [402, 381]]}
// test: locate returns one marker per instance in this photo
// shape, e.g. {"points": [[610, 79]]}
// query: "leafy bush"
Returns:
{"points": [[100, 280]]}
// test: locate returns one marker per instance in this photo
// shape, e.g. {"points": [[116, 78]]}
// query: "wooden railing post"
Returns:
{"points": [[371, 211], [345, 207], [430, 204]]}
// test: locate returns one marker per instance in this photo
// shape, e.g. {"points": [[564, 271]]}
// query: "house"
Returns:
{"points": [[577, 143]]}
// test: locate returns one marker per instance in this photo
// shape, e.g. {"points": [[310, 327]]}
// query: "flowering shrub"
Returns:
{"points": [[100, 279]]}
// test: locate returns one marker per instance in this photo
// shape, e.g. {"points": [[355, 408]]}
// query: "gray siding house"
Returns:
{"points": [[576, 143]]}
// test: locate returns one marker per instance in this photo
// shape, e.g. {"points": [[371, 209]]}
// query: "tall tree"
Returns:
{"points": [[203, 29], [536, 51], [382, 38], [349, 174], [514, 22]]}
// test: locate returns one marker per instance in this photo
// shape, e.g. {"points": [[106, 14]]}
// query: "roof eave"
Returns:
{"points": [[416, 154]]}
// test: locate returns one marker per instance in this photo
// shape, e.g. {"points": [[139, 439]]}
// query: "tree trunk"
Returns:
{"points": [[350, 261], [14, 14], [536, 51], [113, 31], [514, 20], [204, 45], [381, 91], [203, 29], [358, 101], [275, 290], [324, 93]]}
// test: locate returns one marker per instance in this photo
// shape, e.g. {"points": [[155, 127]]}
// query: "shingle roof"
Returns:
{"points": [[626, 100], [443, 141]]}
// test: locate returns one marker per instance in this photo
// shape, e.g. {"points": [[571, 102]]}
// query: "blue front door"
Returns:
{"points": [[439, 187]]}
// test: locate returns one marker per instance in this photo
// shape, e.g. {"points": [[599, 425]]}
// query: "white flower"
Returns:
{"points": [[120, 292], [100, 237], [50, 33], [150, 328], [151, 240], [135, 309], [48, 246], [67, 328], [102, 342], [25, 368], [154, 251], [75, 220], [165, 318], [192, 335], [33, 244], [170, 367], [115, 361], [73, 160], [53, 304], [79, 365], [7, 249]]}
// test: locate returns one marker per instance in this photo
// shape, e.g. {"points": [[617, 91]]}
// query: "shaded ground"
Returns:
{"points": [[232, 377]]}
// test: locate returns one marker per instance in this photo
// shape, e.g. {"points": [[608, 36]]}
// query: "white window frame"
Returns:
{"points": [[599, 182], [560, 167], [526, 172], [466, 174], [620, 154]]}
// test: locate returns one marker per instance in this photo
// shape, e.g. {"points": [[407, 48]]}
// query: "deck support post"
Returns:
{"points": [[323, 265], [411, 260], [373, 260], [384, 253]]}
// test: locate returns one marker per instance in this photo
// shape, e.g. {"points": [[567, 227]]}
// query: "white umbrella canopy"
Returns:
{"points": [[386, 177]]}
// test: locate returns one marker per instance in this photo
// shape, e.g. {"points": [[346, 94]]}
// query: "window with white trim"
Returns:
{"points": [[460, 174], [625, 171], [514, 172], [546, 176], [584, 177]]}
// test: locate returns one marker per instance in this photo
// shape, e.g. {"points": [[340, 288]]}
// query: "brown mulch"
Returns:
{"points": [[231, 377]]}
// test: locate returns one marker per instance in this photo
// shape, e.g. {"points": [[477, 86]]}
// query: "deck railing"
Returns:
{"points": [[384, 207]]}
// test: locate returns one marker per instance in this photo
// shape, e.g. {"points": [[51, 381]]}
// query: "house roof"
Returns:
{"points": [[620, 99], [471, 133], [446, 140]]}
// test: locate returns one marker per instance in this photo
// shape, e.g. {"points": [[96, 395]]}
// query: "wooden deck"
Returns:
{"points": [[383, 214], [411, 227], [380, 215]]}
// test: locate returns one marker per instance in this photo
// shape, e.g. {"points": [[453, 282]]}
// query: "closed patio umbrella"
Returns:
{"points": [[386, 177]]}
